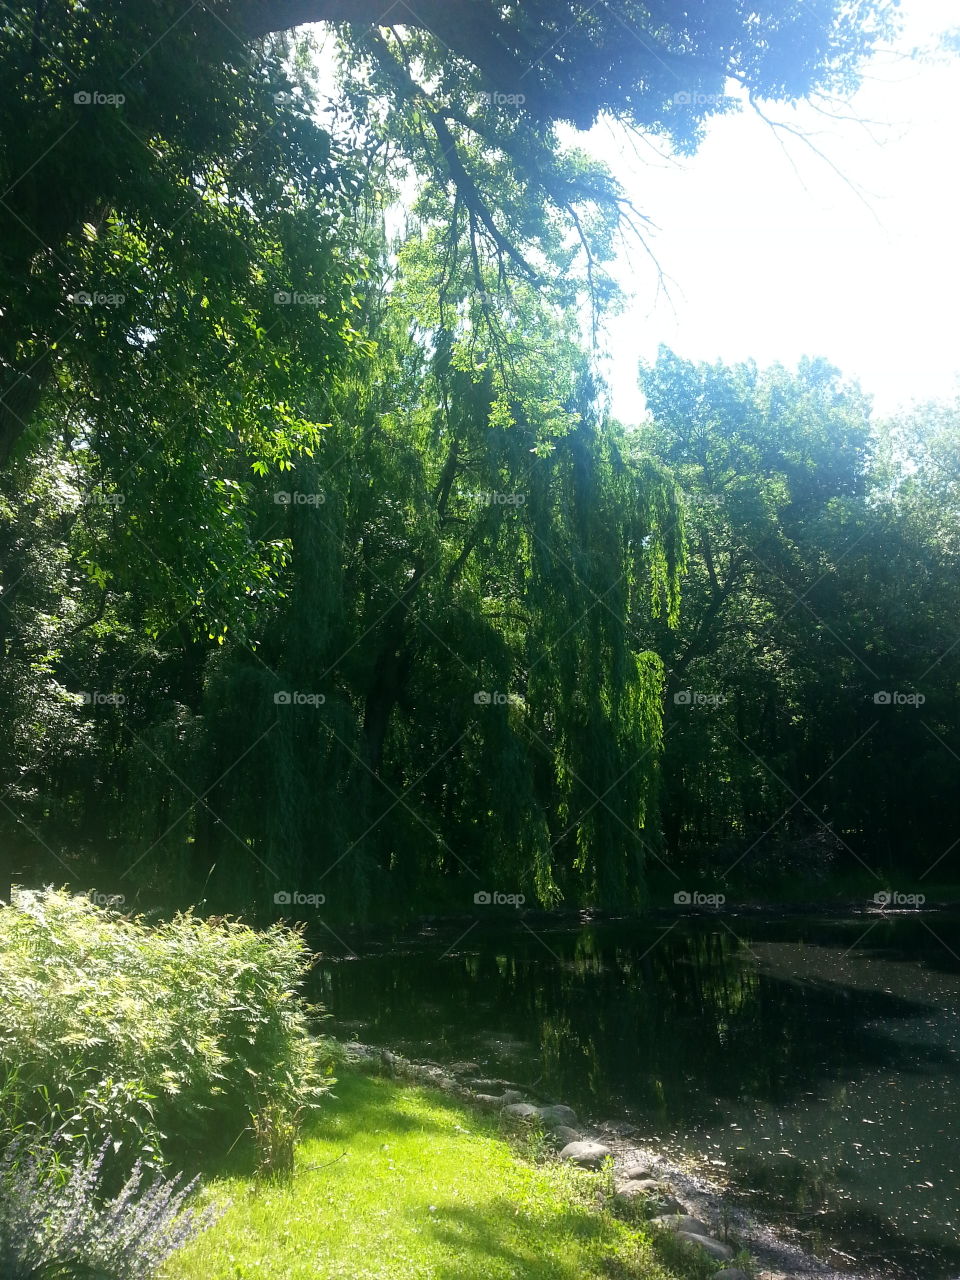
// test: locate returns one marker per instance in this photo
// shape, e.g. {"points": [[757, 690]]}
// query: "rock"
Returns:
{"points": [[639, 1186], [511, 1097], [730, 1273], [557, 1115], [488, 1100], [561, 1136], [681, 1222], [667, 1203], [638, 1172], [463, 1068], [715, 1248], [362, 1052], [525, 1111], [589, 1155]]}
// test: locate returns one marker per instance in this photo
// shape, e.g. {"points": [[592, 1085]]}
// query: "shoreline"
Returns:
{"points": [[776, 1256], [580, 917]]}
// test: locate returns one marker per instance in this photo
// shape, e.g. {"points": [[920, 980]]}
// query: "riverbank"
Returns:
{"points": [[397, 1181], [640, 1181], [939, 899]]}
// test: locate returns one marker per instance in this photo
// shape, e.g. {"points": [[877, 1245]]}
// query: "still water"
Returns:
{"points": [[812, 1064]]}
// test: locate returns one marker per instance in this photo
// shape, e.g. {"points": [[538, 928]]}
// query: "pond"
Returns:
{"points": [[811, 1063]]}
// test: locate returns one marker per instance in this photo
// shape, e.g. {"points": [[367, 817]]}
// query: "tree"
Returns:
{"points": [[433, 684], [812, 682], [141, 114], [766, 461]]}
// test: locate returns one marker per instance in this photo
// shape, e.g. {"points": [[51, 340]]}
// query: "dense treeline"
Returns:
{"points": [[811, 712], [324, 568], [455, 674]]}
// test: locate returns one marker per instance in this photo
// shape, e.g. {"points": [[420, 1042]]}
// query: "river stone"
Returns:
{"points": [[557, 1115], [562, 1135], [589, 1155], [637, 1174], [487, 1100], [715, 1248], [670, 1204], [522, 1111], [362, 1052], [639, 1187], [730, 1273], [681, 1222]]}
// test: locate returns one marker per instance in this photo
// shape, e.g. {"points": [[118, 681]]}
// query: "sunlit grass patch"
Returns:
{"points": [[393, 1182]]}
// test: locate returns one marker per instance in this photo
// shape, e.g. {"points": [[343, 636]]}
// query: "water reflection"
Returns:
{"points": [[814, 1062]]}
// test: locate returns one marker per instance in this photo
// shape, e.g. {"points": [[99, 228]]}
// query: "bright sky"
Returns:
{"points": [[770, 254]]}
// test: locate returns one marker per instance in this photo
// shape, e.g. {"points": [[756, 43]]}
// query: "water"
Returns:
{"points": [[811, 1063]]}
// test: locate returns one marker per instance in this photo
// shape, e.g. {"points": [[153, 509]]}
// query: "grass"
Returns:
{"points": [[394, 1182]]}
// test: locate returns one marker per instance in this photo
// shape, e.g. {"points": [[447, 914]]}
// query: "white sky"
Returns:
{"points": [[770, 254]]}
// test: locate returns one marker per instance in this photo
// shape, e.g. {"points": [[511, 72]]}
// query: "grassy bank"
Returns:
{"points": [[394, 1182]]}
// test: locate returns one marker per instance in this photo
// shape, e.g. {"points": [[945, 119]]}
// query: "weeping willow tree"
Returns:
{"points": [[370, 598], [470, 707]]}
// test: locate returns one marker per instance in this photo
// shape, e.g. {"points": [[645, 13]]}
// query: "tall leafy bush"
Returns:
{"points": [[163, 1037]]}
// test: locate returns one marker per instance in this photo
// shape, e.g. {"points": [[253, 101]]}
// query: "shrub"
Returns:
{"points": [[275, 1131], [54, 1223], [163, 1037]]}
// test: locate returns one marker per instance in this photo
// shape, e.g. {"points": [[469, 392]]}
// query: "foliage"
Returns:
{"points": [[162, 1038], [323, 569], [275, 1131], [56, 1224], [159, 156], [476, 528], [821, 568]]}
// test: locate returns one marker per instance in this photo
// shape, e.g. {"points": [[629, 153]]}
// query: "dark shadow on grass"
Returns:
{"points": [[358, 1104], [363, 1103]]}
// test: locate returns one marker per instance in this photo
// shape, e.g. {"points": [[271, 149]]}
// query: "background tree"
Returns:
{"points": [[814, 598]]}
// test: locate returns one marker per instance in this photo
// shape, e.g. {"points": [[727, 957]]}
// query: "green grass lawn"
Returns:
{"points": [[402, 1183]]}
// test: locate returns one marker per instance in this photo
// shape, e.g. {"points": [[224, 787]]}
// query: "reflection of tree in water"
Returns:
{"points": [[679, 1028], [661, 1023]]}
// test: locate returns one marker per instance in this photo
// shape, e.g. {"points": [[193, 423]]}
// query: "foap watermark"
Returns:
{"points": [[694, 898], [86, 298], [106, 899], [294, 898], [494, 499], [886, 698], [893, 898], [498, 99], [484, 898], [103, 499], [291, 298], [94, 698], [94, 98], [694, 698], [694, 98], [294, 698], [288, 498], [490, 698]]}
